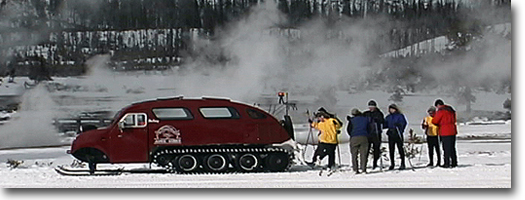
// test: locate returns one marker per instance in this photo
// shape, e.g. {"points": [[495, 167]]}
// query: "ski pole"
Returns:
{"points": [[378, 137], [310, 135], [338, 151], [337, 140], [439, 149]]}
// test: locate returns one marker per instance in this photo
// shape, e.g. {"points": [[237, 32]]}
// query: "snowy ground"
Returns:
{"points": [[482, 164]]}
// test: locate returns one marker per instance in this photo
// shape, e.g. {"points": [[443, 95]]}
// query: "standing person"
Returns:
{"points": [[328, 128], [374, 138], [358, 129], [323, 110], [395, 122], [445, 119], [431, 131], [11, 73]]}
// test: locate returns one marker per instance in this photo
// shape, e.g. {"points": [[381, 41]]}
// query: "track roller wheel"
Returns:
{"points": [[276, 162], [216, 163], [248, 162], [186, 163], [163, 160]]}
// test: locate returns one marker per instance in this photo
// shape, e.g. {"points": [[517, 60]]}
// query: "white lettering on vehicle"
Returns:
{"points": [[153, 121], [167, 134]]}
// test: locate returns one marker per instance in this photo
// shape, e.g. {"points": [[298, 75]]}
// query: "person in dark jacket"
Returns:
{"points": [[395, 122], [358, 129], [445, 119], [377, 120]]}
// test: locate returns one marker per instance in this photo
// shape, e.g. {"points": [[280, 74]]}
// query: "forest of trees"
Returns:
{"points": [[64, 33]]}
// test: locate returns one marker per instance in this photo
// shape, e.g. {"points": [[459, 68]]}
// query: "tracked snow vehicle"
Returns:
{"points": [[190, 135]]}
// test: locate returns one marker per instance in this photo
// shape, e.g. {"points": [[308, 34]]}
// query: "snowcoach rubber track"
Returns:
{"points": [[205, 160], [223, 160]]}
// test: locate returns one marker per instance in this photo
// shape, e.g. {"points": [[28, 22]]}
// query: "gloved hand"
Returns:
{"points": [[398, 125], [310, 121]]}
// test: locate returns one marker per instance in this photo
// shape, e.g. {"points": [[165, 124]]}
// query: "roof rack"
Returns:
{"points": [[171, 98], [159, 99], [215, 98]]}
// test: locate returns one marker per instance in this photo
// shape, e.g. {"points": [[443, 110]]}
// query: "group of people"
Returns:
{"points": [[366, 128]]}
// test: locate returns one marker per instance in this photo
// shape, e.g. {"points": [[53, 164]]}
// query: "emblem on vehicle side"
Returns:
{"points": [[167, 134]]}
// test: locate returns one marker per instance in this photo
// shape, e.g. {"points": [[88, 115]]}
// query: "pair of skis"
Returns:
{"points": [[328, 172], [104, 172], [86, 172]]}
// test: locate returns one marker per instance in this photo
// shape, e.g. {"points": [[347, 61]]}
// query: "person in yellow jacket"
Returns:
{"points": [[431, 131], [328, 130]]}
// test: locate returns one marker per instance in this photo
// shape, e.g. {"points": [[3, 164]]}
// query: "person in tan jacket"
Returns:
{"points": [[328, 129], [431, 131]]}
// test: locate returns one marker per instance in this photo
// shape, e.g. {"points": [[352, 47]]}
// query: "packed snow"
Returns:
{"points": [[482, 164]]}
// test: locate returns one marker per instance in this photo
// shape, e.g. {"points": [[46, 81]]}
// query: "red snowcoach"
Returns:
{"points": [[190, 135]]}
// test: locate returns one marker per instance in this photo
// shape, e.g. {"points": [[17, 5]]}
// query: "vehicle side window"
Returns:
{"points": [[219, 113], [172, 113], [255, 114], [134, 120]]}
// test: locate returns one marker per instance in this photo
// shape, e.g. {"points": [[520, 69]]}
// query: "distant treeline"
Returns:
{"points": [[66, 32]]}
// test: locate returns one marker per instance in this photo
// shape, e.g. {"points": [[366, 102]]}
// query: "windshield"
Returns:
{"points": [[116, 115]]}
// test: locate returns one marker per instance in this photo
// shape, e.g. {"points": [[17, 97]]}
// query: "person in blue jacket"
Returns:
{"points": [[395, 122], [359, 130]]}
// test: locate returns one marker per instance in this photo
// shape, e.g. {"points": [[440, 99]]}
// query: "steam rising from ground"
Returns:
{"points": [[487, 64], [311, 59], [262, 59], [265, 59], [32, 125]]}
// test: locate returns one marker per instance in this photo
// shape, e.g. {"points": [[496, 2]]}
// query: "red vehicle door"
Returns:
{"points": [[171, 126], [129, 140]]}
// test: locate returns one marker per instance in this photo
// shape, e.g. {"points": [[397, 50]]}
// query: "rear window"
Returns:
{"points": [[219, 113], [172, 113], [255, 114]]}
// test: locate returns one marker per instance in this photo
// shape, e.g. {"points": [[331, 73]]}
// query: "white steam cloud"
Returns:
{"points": [[263, 59], [310, 59], [32, 125], [266, 59]]}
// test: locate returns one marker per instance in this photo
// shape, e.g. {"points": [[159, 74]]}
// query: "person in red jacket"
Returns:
{"points": [[445, 119]]}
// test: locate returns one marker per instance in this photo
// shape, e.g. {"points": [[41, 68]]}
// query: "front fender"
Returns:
{"points": [[91, 155], [91, 143]]}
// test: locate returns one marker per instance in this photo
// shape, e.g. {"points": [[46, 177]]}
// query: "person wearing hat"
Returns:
{"points": [[445, 119], [374, 138], [328, 128], [358, 128], [322, 109], [431, 131], [396, 123]]}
